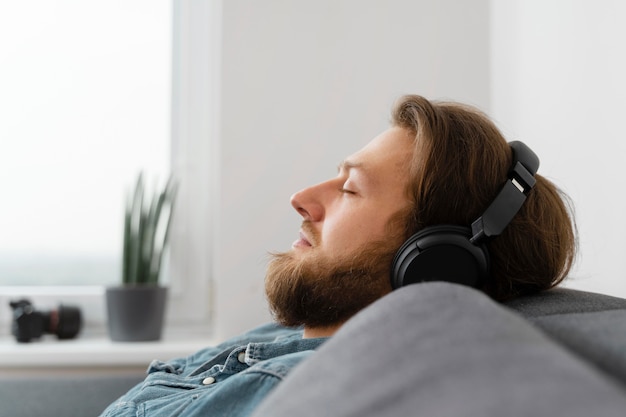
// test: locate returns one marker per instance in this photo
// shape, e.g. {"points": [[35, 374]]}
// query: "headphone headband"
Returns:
{"points": [[511, 197]]}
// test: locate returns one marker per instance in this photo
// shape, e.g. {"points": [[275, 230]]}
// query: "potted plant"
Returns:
{"points": [[136, 308]]}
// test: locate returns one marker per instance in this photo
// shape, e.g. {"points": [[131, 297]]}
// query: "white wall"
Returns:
{"points": [[558, 83], [304, 84]]}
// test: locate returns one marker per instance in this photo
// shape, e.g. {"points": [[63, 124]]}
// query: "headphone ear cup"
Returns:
{"points": [[440, 253]]}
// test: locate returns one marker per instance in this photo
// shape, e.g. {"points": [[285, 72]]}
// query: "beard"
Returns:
{"points": [[312, 290]]}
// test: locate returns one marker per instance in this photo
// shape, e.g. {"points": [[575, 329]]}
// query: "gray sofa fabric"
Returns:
{"points": [[440, 349], [598, 337], [593, 326], [564, 301]]}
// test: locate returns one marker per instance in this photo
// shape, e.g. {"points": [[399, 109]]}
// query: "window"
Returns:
{"points": [[85, 106], [120, 87]]}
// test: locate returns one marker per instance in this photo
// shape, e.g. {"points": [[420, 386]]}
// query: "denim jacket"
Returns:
{"points": [[230, 379]]}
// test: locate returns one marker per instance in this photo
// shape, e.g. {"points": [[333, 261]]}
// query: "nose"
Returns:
{"points": [[308, 204]]}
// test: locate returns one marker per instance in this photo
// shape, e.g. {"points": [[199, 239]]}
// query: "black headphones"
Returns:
{"points": [[456, 253]]}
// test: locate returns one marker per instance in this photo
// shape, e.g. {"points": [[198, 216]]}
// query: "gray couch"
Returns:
{"points": [[439, 349], [426, 350]]}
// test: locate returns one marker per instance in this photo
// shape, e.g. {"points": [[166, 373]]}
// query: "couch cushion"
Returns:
{"points": [[598, 337], [440, 349], [564, 300], [590, 325]]}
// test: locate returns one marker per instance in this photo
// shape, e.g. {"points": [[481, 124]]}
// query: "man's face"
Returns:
{"points": [[341, 261]]}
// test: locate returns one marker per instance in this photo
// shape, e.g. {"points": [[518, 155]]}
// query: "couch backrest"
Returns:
{"points": [[593, 326], [564, 301]]}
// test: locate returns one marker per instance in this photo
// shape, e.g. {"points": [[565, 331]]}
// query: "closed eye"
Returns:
{"points": [[345, 191]]}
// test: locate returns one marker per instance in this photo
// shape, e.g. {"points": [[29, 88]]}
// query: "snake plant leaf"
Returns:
{"points": [[126, 254], [146, 232], [163, 216], [136, 231], [148, 240]]}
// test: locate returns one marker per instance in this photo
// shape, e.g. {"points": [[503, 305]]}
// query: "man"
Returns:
{"points": [[439, 163]]}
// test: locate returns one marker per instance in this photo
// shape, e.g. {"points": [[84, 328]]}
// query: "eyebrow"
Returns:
{"points": [[347, 165]]}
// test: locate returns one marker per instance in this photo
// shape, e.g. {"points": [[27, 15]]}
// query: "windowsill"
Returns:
{"points": [[92, 352]]}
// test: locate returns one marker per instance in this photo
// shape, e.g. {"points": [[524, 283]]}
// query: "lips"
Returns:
{"points": [[303, 242], [304, 238]]}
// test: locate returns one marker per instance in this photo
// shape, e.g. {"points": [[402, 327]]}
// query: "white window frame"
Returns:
{"points": [[195, 105]]}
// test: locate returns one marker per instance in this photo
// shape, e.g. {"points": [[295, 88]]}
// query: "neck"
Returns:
{"points": [[325, 331]]}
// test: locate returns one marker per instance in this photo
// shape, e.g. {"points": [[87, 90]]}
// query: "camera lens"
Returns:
{"points": [[65, 322]]}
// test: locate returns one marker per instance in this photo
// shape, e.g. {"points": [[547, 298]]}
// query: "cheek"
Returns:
{"points": [[353, 229]]}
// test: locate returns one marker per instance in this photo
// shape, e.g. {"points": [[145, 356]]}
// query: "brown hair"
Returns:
{"points": [[460, 163]]}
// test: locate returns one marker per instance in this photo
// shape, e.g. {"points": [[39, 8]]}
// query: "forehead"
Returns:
{"points": [[387, 154]]}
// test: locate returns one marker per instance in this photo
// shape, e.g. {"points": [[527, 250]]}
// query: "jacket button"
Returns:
{"points": [[208, 381], [242, 357]]}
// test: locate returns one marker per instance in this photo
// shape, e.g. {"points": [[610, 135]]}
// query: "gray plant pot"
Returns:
{"points": [[135, 313]]}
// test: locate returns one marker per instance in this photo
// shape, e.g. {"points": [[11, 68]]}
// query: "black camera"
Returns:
{"points": [[29, 324]]}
